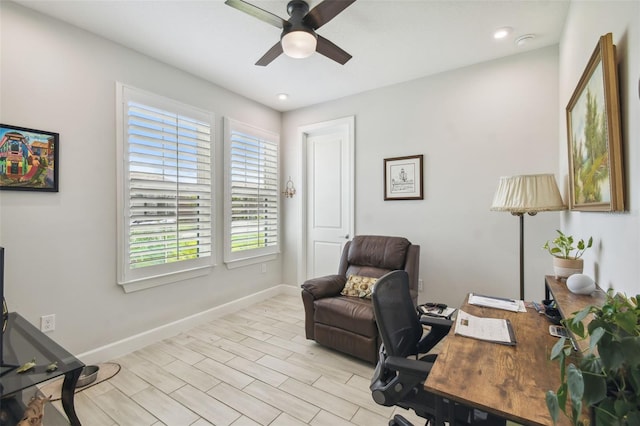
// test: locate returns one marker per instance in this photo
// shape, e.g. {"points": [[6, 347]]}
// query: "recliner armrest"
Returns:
{"points": [[327, 286]]}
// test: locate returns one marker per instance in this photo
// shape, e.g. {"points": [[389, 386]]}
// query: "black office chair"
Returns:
{"points": [[398, 379]]}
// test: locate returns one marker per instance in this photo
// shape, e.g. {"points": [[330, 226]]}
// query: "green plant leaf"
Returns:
{"points": [[562, 396], [578, 317], [591, 363], [596, 335], [552, 406], [556, 350], [578, 329], [634, 377], [575, 383], [611, 355], [595, 388], [633, 418], [631, 350], [605, 413], [576, 410], [621, 407], [628, 321]]}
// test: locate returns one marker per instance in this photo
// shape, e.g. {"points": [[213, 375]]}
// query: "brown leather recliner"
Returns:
{"points": [[347, 323]]}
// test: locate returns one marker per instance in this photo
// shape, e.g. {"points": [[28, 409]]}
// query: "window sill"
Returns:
{"points": [[146, 283]]}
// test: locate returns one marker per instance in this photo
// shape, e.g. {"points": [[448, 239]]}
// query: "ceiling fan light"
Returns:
{"points": [[298, 44]]}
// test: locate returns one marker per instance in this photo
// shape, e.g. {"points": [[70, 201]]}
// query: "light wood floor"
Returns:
{"points": [[253, 367]]}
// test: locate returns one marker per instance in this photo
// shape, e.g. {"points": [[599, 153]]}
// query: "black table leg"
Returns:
{"points": [[547, 294], [439, 420], [68, 388]]}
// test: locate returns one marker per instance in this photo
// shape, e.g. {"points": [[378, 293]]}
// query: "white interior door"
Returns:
{"points": [[329, 194]]}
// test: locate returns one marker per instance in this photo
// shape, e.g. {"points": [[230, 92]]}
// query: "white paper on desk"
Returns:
{"points": [[497, 302], [490, 329]]}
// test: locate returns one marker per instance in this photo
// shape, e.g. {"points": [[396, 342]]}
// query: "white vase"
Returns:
{"points": [[564, 268]]}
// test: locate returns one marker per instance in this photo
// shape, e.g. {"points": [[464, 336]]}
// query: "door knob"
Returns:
{"points": [[346, 237]]}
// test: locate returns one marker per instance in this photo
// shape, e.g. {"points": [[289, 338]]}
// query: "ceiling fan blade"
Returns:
{"points": [[325, 11], [256, 12], [331, 51], [271, 54]]}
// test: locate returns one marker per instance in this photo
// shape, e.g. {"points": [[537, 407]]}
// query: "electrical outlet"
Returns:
{"points": [[48, 323], [420, 284]]}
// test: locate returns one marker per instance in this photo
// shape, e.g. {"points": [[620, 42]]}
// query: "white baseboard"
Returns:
{"points": [[140, 340]]}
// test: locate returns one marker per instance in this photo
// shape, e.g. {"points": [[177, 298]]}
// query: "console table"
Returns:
{"points": [[23, 342], [569, 303]]}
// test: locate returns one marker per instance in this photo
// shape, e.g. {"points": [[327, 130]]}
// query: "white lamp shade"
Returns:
{"points": [[298, 44], [527, 194]]}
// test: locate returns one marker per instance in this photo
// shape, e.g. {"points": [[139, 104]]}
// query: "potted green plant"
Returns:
{"points": [[567, 257], [606, 378]]}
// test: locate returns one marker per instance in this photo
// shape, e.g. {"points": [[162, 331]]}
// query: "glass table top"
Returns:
{"points": [[23, 342]]}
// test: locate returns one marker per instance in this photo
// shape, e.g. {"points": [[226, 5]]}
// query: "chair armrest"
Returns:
{"points": [[435, 322], [327, 286], [440, 327], [408, 366]]}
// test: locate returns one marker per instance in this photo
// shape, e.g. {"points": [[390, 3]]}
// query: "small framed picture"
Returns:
{"points": [[28, 159], [403, 178]]}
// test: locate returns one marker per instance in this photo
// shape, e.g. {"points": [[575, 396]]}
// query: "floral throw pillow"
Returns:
{"points": [[358, 286]]}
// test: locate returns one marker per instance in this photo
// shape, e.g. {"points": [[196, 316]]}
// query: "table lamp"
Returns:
{"points": [[527, 194]]}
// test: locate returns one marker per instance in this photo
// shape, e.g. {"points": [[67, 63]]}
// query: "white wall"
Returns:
{"points": [[61, 247], [614, 263], [473, 125]]}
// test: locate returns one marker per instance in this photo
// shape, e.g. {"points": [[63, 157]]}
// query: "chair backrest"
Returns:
{"points": [[376, 255], [396, 315]]}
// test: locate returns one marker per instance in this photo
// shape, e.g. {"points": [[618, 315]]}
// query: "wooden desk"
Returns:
{"points": [[509, 381]]}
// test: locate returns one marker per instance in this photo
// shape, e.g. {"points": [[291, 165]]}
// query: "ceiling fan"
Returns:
{"points": [[299, 39]]}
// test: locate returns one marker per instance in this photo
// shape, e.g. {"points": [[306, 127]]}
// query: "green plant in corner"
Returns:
{"points": [[606, 378], [562, 246]]}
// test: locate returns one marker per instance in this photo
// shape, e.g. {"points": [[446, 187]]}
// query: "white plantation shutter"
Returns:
{"points": [[166, 203], [251, 195]]}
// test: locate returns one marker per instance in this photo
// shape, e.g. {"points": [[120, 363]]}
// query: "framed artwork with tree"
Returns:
{"points": [[596, 178]]}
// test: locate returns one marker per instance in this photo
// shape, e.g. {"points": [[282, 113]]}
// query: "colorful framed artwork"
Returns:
{"points": [[28, 159], [403, 178], [596, 179]]}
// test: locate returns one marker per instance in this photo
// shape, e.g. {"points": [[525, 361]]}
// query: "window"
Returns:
{"points": [[251, 194], [164, 190]]}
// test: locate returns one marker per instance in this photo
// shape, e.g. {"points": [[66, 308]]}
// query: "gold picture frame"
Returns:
{"points": [[596, 178]]}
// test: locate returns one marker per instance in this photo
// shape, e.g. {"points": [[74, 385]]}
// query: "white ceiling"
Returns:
{"points": [[391, 40]]}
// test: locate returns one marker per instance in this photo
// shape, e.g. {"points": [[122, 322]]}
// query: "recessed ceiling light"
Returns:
{"points": [[283, 96], [524, 39], [502, 32]]}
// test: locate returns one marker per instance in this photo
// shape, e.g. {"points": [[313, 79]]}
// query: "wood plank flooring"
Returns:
{"points": [[253, 367]]}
